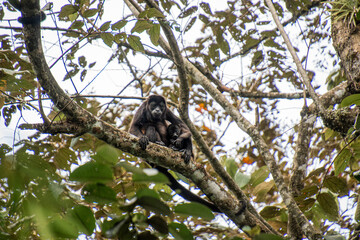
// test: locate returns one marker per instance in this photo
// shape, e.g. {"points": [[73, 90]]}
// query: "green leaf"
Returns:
{"points": [[92, 172], [119, 25], [206, 8], [117, 227], [350, 100], [231, 166], [85, 218], [154, 204], [270, 212], [259, 176], [99, 193], [357, 122], [342, 161], [73, 17], [224, 46], [63, 228], [150, 175], [309, 191], [242, 179], [261, 190], [190, 24], [357, 210], [140, 26], [120, 37], [334, 237], [153, 12], [77, 25], [135, 43], [154, 33], [194, 209], [179, 231], [328, 203], [188, 12], [336, 185], [356, 175], [107, 38], [130, 168], [147, 192], [90, 12], [67, 10], [159, 224], [106, 154], [329, 133], [105, 26]]}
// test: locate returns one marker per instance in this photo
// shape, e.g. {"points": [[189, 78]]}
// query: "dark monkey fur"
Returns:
{"points": [[149, 125]]}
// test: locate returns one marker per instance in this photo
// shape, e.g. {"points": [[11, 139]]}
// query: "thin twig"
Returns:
{"points": [[301, 70]]}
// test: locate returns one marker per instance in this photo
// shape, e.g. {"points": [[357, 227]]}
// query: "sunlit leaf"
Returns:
{"points": [[231, 166], [241, 179], [66, 10], [350, 100]]}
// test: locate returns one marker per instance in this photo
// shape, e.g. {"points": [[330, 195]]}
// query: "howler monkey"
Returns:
{"points": [[179, 138], [150, 125]]}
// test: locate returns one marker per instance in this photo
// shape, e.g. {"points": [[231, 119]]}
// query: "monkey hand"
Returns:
{"points": [[160, 143], [186, 154], [178, 143], [143, 141], [174, 148]]}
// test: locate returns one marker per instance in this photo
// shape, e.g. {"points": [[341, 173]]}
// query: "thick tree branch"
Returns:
{"points": [[300, 166], [262, 147], [156, 154], [260, 143], [184, 95], [347, 44]]}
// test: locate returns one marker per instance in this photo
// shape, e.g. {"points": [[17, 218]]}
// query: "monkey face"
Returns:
{"points": [[157, 110]]}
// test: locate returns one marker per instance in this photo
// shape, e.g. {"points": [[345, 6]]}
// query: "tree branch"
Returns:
{"points": [[156, 154], [262, 147], [300, 69], [184, 95]]}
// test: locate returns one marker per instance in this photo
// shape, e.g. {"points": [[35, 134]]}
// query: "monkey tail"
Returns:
{"points": [[185, 193]]}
